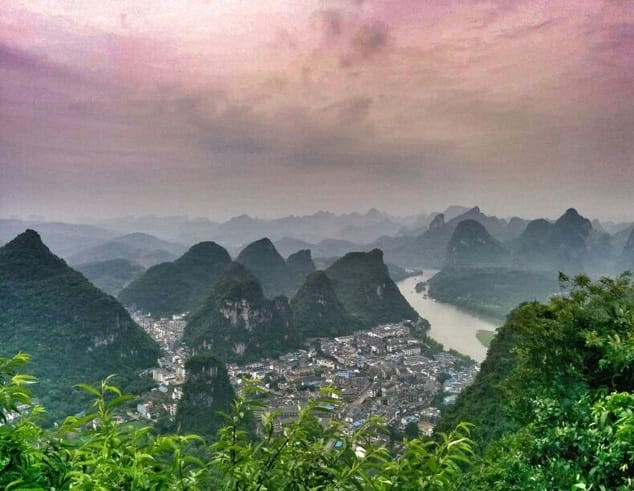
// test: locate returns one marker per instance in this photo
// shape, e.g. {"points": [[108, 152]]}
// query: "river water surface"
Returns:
{"points": [[452, 327]]}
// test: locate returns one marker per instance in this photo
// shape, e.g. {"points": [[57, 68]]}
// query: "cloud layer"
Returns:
{"points": [[273, 107]]}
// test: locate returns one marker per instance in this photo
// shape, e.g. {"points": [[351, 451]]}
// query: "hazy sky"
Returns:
{"points": [[270, 107]]}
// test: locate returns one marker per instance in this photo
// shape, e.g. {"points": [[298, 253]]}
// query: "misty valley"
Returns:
{"points": [[388, 349], [234, 251]]}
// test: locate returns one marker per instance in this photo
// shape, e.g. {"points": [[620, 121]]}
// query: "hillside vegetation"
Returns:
{"points": [[179, 286], [552, 408], [76, 332], [553, 404]]}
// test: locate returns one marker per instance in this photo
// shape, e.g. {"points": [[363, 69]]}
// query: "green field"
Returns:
{"points": [[485, 337]]}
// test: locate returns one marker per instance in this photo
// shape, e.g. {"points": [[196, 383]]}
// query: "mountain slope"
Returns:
{"points": [[300, 265], [170, 288], [317, 311], [626, 260], [263, 260], [74, 332], [563, 245], [206, 391], [64, 239], [364, 287], [111, 276], [472, 245], [237, 323]]}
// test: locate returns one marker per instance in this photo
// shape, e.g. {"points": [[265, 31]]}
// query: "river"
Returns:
{"points": [[452, 327]]}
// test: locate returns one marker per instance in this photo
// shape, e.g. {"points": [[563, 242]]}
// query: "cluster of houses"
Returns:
{"points": [[383, 371]]}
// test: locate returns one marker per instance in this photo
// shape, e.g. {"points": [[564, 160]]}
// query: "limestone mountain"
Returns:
{"points": [[499, 228], [237, 323], [317, 311], [562, 245], [170, 288], [263, 260], [300, 265], [206, 391], [74, 332], [363, 285], [472, 245], [111, 276], [429, 248], [600, 257], [323, 249]]}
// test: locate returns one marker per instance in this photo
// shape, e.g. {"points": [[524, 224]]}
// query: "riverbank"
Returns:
{"points": [[451, 326]]}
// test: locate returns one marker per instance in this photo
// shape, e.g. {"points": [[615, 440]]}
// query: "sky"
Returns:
{"points": [[220, 107]]}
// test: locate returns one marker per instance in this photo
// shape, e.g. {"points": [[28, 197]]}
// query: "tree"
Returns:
{"points": [[96, 452]]}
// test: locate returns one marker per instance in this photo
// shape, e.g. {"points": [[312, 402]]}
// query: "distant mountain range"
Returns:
{"points": [[238, 231], [143, 249], [413, 242], [490, 277], [112, 275]]}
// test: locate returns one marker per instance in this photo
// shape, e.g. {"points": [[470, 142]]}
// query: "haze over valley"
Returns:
{"points": [[316, 244]]}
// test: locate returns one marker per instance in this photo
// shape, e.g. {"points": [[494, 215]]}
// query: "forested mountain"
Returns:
{"points": [[206, 392], [317, 311], [562, 245], [472, 245], [552, 404], [525, 268], [300, 264], [263, 260], [75, 332], [364, 287], [170, 288], [237, 322], [111, 276], [429, 249]]}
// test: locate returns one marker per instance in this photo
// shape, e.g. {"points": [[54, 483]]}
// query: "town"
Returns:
{"points": [[384, 371]]}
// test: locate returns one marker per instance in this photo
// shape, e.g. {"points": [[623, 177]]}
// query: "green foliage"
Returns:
{"points": [[314, 452], [13, 391], [96, 452], [74, 331], [565, 385]]}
